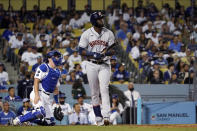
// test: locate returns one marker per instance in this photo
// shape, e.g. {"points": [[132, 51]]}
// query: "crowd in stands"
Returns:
{"points": [[161, 42]]}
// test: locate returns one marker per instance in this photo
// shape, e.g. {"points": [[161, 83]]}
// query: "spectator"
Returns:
{"points": [[71, 77], [168, 73], [78, 89], [122, 33], [85, 107], [65, 40], [85, 17], [8, 32], [175, 45], [34, 56], [23, 49], [64, 73], [6, 115], [65, 57], [174, 79], [25, 59], [161, 61], [11, 96], [139, 8], [121, 75], [35, 66], [135, 51], [156, 79], [18, 42], [72, 47], [25, 108], [66, 109], [132, 96], [155, 67], [77, 118], [114, 64], [144, 64], [76, 22], [194, 34], [4, 79], [189, 79], [79, 73], [116, 109], [141, 18], [73, 59], [25, 86]]}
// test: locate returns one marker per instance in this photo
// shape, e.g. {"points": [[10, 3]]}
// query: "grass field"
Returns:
{"points": [[104, 128]]}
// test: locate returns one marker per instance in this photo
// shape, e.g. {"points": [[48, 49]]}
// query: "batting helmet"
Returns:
{"points": [[53, 54], [94, 17]]}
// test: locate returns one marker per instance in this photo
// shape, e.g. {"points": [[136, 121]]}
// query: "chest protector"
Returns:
{"points": [[50, 81]]}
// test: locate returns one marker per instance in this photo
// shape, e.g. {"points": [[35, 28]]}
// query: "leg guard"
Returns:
{"points": [[36, 113]]}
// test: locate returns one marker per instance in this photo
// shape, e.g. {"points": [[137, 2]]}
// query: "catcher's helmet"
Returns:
{"points": [[94, 17], [53, 54]]}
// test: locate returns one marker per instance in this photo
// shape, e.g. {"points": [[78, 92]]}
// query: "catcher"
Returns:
{"points": [[46, 81]]}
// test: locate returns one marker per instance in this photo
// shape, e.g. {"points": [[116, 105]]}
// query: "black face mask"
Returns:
{"points": [[62, 102], [131, 89]]}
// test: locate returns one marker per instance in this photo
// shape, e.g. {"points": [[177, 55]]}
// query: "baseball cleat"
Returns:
{"points": [[14, 122], [106, 121]]}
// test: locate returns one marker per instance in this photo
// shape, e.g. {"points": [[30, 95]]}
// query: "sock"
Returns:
{"points": [[97, 111]]}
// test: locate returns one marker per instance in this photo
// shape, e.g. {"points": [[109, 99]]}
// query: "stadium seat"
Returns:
{"points": [[62, 51], [136, 64], [5, 4], [44, 4], [128, 2], [29, 68], [87, 25], [77, 32], [123, 46], [30, 25], [1, 31], [97, 4], [16, 4], [16, 51], [62, 3], [30, 4], [48, 21], [163, 69], [80, 4], [108, 3]]}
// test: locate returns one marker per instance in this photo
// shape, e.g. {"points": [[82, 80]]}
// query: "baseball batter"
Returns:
{"points": [[45, 83], [96, 43]]}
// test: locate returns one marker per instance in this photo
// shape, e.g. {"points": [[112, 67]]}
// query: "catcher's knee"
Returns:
{"points": [[39, 112]]}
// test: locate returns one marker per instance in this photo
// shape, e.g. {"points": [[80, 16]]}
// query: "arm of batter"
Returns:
{"points": [[84, 52]]}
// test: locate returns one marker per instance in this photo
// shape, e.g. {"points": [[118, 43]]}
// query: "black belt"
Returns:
{"points": [[97, 62], [45, 92]]}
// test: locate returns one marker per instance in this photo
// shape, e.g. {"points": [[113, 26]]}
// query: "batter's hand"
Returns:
{"points": [[97, 56], [36, 99]]}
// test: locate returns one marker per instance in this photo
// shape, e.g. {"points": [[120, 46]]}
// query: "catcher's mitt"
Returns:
{"points": [[58, 114]]}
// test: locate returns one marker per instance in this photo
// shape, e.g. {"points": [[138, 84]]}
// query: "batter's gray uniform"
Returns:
{"points": [[98, 73]]}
